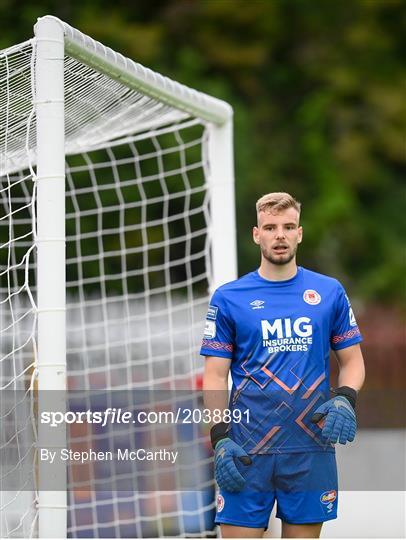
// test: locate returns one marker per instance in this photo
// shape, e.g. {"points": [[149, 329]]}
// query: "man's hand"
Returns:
{"points": [[226, 472], [341, 422]]}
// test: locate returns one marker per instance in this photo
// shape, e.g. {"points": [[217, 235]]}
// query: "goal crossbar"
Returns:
{"points": [[137, 77]]}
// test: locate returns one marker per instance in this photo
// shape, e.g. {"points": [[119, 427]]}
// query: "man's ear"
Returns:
{"points": [[255, 235], [300, 237]]}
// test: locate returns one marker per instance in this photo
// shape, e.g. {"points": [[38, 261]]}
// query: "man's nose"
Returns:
{"points": [[280, 233]]}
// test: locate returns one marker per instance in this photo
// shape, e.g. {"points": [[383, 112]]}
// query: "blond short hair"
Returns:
{"points": [[276, 202]]}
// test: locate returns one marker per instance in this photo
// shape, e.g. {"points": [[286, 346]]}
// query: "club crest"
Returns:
{"points": [[220, 503], [311, 297]]}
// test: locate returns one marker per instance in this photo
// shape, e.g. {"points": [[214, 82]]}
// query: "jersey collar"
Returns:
{"points": [[283, 283]]}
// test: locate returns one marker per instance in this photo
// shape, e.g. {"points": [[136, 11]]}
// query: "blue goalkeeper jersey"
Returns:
{"points": [[278, 335]]}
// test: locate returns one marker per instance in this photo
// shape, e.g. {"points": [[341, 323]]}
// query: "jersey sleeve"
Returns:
{"points": [[218, 337], [345, 331]]}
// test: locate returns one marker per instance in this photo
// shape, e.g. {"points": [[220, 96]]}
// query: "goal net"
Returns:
{"points": [[148, 216]]}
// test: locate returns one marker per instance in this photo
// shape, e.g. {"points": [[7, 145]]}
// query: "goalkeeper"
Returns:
{"points": [[273, 330]]}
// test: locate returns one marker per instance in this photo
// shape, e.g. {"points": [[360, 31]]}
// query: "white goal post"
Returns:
{"points": [[117, 191]]}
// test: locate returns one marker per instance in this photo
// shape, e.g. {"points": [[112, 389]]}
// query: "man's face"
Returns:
{"points": [[278, 235]]}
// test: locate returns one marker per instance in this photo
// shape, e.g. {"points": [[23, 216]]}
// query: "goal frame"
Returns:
{"points": [[54, 39]]}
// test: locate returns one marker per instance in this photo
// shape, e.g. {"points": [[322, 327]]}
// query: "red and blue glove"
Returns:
{"points": [[339, 412], [226, 451]]}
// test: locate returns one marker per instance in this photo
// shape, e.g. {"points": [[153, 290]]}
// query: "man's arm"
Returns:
{"points": [[226, 451], [351, 367], [215, 383]]}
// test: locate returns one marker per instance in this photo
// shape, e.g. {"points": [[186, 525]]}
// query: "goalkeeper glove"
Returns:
{"points": [[225, 451], [341, 423]]}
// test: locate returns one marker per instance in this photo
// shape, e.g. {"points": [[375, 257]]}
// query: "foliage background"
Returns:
{"points": [[318, 92]]}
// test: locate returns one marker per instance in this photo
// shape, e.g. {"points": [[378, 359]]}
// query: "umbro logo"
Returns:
{"points": [[257, 304]]}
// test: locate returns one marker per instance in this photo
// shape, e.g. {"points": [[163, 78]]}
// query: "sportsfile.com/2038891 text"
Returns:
{"points": [[113, 415]]}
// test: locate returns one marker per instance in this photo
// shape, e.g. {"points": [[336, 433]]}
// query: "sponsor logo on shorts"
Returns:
{"points": [[311, 297], [212, 313], [328, 497], [220, 503]]}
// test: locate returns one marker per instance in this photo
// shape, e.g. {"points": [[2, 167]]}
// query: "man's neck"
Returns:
{"points": [[276, 272]]}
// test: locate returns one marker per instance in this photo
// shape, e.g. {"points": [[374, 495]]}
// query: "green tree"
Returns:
{"points": [[317, 89]]}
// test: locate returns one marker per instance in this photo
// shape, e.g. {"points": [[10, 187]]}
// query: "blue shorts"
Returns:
{"points": [[304, 486]]}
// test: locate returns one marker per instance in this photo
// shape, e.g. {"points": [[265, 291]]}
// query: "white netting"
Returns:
{"points": [[17, 307], [137, 217]]}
